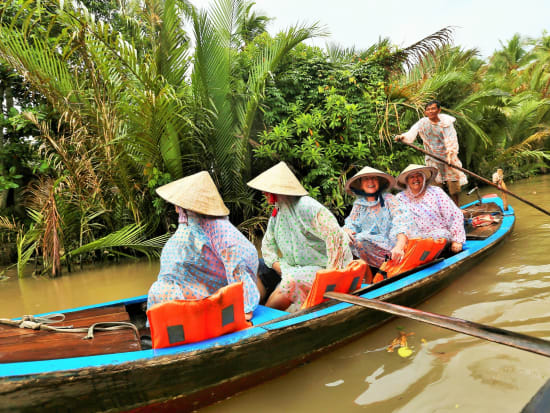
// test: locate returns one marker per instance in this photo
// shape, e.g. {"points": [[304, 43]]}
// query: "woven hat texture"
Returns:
{"points": [[196, 193], [279, 180]]}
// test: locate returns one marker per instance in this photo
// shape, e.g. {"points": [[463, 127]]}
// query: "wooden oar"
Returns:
{"points": [[476, 176], [495, 334]]}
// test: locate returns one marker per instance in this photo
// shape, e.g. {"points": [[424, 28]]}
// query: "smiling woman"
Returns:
{"points": [[435, 214], [377, 226]]}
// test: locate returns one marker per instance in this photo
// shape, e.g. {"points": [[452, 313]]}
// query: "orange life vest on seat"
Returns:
{"points": [[417, 252], [342, 281], [187, 321]]}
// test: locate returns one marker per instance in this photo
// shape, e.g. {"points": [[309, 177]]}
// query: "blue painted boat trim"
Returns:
{"points": [[261, 315]]}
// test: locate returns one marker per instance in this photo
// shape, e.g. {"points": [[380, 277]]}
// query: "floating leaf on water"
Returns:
{"points": [[400, 341]]}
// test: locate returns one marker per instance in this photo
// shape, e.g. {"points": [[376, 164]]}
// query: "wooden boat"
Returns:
{"points": [[61, 372]]}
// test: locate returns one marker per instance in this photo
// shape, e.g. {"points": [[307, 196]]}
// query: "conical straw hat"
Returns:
{"points": [[196, 193], [429, 171], [279, 180], [387, 181]]}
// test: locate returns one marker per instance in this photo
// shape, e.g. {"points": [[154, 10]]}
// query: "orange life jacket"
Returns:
{"points": [[187, 321], [342, 281], [417, 252]]}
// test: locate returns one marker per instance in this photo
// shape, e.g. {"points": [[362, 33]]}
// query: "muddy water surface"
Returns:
{"points": [[447, 372]]}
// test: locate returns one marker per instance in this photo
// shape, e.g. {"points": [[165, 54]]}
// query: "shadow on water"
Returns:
{"points": [[446, 372]]}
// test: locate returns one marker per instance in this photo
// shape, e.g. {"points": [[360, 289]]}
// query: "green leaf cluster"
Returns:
{"points": [[322, 118]]}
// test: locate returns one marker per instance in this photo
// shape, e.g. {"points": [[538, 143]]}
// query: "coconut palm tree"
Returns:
{"points": [[233, 102], [121, 111]]}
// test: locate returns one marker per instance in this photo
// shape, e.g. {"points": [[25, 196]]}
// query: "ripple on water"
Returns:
{"points": [[526, 270]]}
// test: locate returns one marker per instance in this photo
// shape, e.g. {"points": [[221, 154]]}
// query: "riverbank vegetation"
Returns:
{"points": [[103, 104]]}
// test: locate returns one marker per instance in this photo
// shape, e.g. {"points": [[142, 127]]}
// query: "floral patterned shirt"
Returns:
{"points": [[303, 237], [440, 139], [202, 256], [435, 214], [376, 227]]}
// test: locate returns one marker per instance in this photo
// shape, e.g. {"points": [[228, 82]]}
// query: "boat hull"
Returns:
{"points": [[189, 380]]}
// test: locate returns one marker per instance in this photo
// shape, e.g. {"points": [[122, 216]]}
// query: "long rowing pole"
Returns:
{"points": [[495, 334], [475, 176]]}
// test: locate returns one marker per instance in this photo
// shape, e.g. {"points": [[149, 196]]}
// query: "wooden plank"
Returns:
{"points": [[73, 345], [18, 344], [9, 331], [78, 319]]}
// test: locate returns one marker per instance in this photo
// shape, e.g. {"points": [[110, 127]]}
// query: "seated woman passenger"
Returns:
{"points": [[302, 237], [206, 252], [378, 225], [435, 214]]}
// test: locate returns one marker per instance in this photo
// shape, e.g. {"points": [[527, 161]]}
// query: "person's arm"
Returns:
{"points": [[269, 245], [337, 245], [398, 251], [454, 218], [450, 140], [403, 226], [411, 134], [351, 223], [402, 221], [237, 271]]}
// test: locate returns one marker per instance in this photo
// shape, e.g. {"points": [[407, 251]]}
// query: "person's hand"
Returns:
{"points": [[456, 247], [397, 253], [248, 316], [277, 267], [449, 158], [351, 234]]}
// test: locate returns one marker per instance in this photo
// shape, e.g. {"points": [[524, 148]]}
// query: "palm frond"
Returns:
{"points": [[128, 237], [417, 52]]}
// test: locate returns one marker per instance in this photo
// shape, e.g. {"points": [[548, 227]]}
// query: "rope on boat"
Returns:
{"points": [[42, 323]]}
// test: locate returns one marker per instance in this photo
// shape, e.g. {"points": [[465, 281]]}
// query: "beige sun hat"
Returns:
{"points": [[279, 180], [429, 171], [387, 181], [197, 193]]}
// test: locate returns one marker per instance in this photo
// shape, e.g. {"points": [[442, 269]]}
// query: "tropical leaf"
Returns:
{"points": [[130, 237]]}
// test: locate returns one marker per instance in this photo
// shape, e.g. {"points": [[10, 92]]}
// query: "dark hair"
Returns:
{"points": [[431, 102], [377, 195]]}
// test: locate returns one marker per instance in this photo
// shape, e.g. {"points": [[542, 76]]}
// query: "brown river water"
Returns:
{"points": [[447, 371]]}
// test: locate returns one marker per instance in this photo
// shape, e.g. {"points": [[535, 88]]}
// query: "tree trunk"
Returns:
{"points": [[3, 90]]}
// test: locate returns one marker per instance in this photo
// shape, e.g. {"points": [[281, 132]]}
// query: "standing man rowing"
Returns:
{"points": [[439, 136]]}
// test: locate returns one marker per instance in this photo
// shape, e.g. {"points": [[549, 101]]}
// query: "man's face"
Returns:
{"points": [[432, 111]]}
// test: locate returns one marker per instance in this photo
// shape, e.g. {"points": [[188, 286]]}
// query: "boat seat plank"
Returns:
{"points": [[104, 342], [18, 344], [94, 312], [10, 331]]}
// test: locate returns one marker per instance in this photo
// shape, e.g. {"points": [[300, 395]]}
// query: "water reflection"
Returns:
{"points": [[38, 295]]}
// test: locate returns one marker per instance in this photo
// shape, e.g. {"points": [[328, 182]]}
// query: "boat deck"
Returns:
{"points": [[19, 345], [23, 344]]}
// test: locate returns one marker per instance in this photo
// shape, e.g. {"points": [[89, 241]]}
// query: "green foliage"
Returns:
{"points": [[323, 118], [7, 181], [115, 103]]}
